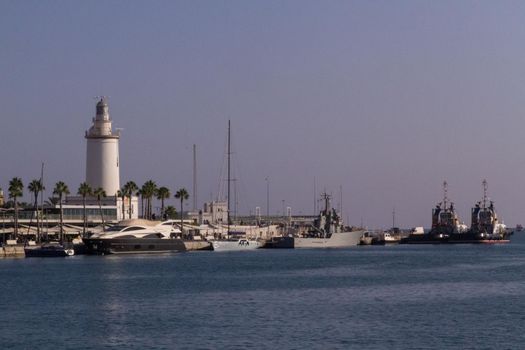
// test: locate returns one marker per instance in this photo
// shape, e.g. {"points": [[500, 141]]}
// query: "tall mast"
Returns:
{"points": [[341, 201], [268, 206], [228, 210], [315, 197], [194, 177]]}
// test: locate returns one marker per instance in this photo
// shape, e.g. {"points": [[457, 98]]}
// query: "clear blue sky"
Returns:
{"points": [[386, 98]]}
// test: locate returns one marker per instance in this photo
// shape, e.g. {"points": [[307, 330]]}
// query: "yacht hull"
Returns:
{"points": [[102, 246], [336, 240], [52, 251]]}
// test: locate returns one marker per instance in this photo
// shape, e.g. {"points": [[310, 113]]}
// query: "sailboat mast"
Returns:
{"points": [[194, 177], [229, 154]]}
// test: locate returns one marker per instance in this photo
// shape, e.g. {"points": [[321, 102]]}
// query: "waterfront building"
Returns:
{"points": [[1, 198], [214, 212]]}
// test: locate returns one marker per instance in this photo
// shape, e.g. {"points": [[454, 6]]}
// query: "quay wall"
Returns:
{"points": [[14, 251], [197, 245]]}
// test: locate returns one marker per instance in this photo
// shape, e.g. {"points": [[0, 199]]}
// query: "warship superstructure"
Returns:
{"points": [[328, 231]]}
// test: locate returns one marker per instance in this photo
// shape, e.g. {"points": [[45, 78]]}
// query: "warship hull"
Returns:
{"points": [[336, 240]]}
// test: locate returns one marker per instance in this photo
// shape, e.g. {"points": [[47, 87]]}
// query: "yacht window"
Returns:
{"points": [[132, 228], [153, 235], [115, 228]]}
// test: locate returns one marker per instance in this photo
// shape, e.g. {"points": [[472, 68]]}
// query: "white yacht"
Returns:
{"points": [[235, 244], [136, 236]]}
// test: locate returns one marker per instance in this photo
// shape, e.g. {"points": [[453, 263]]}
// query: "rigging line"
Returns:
{"points": [[237, 177]]}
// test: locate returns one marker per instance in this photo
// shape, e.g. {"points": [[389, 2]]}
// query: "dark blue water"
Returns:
{"points": [[397, 297]]}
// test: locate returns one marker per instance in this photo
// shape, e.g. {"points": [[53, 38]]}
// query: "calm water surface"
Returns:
{"points": [[394, 297]]}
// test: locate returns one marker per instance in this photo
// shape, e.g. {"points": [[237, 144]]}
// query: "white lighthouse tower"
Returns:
{"points": [[102, 161]]}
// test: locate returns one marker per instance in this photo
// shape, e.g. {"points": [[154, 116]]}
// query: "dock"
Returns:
{"points": [[12, 251]]}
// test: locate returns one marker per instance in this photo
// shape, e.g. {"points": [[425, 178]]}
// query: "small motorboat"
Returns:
{"points": [[48, 250]]}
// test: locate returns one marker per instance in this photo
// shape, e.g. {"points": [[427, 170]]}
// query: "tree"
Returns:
{"points": [[100, 193], [130, 188], [170, 212], [182, 194], [162, 194], [148, 191], [36, 186], [60, 190], [51, 201], [84, 190], [16, 190]]}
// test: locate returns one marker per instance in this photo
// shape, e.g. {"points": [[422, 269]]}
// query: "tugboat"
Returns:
{"points": [[445, 224], [485, 227]]}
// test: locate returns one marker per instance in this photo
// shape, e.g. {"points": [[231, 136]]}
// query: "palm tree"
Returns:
{"points": [[60, 190], [36, 186], [84, 190], [162, 194], [181, 194], [130, 188], [16, 189], [170, 212], [148, 191], [100, 193]]}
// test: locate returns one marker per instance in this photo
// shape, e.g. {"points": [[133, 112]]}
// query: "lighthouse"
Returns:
{"points": [[102, 161]]}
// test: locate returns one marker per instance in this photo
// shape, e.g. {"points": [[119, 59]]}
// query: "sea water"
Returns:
{"points": [[373, 297]]}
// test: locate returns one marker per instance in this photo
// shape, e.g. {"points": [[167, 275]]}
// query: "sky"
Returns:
{"points": [[382, 99]]}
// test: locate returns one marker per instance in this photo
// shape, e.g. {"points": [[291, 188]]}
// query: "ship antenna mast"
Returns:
{"points": [[394, 217], [445, 192], [485, 186]]}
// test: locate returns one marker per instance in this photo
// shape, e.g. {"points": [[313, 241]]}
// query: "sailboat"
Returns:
{"points": [[232, 242]]}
